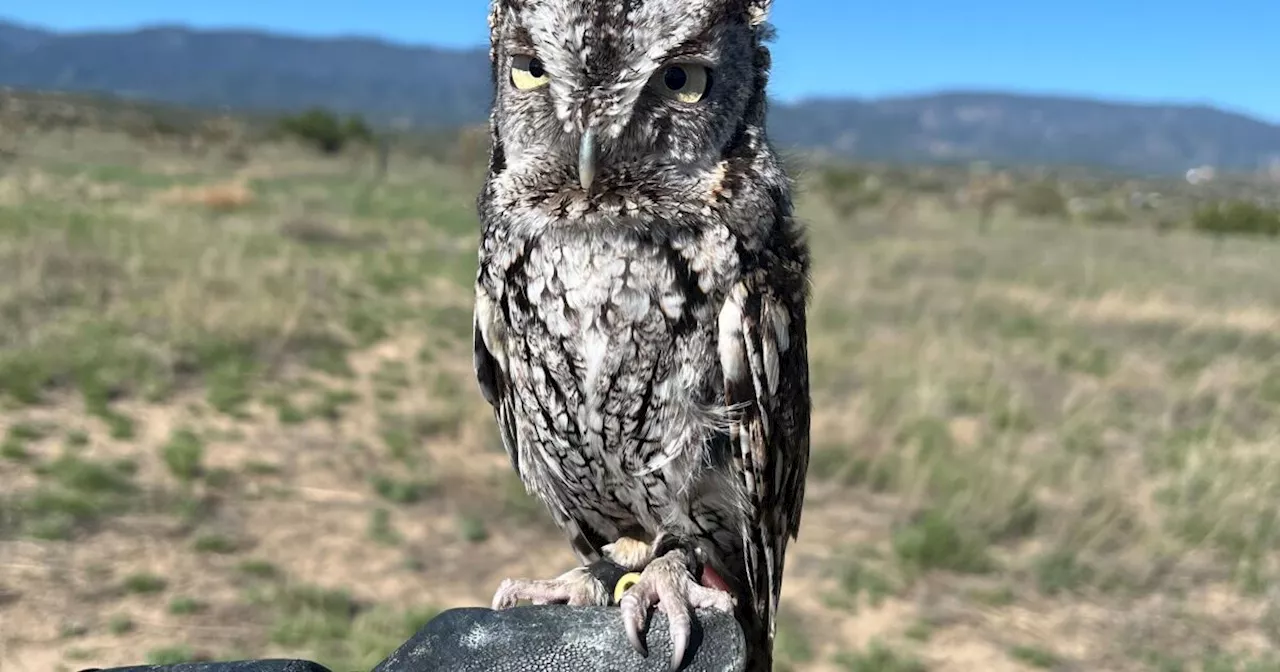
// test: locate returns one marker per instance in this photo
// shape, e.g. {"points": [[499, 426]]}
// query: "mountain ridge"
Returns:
{"points": [[252, 69]]}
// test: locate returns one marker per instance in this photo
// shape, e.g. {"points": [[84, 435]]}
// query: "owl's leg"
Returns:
{"points": [[630, 554], [575, 587], [671, 582], [578, 586]]}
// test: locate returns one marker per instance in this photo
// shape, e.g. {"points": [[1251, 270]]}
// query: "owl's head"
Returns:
{"points": [[625, 100]]}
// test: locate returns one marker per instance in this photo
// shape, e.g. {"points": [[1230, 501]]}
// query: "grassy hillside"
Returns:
{"points": [[239, 419]]}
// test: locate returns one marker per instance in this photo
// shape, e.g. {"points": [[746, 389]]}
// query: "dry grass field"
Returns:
{"points": [[238, 419]]}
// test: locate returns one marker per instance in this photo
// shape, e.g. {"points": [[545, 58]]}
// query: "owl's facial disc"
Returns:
{"points": [[683, 83], [599, 107]]}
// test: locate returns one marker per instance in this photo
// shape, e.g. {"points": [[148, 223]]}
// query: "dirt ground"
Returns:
{"points": [[239, 421]]}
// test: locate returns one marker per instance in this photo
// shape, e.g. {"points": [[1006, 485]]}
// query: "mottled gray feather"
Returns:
{"points": [[642, 342]]}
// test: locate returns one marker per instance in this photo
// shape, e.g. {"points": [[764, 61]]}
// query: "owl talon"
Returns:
{"points": [[668, 583], [576, 587], [635, 618]]}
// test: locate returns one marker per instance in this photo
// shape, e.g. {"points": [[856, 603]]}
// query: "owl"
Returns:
{"points": [[640, 304]]}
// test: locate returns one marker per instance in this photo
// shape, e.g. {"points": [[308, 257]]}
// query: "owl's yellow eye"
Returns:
{"points": [[685, 82], [528, 73]]}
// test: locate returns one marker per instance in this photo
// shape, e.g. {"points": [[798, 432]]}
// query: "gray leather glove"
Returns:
{"points": [[558, 638]]}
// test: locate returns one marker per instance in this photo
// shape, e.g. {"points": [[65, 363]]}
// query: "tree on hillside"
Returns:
{"points": [[325, 130]]}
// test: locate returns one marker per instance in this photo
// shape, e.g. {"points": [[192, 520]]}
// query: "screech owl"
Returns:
{"points": [[640, 303]]}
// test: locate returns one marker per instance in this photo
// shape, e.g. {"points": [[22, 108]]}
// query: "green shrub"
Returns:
{"points": [[1237, 218], [1108, 214], [184, 455], [356, 130], [1040, 199], [849, 189], [325, 130]]}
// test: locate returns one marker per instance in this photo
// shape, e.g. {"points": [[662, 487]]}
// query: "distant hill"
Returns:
{"points": [[250, 70], [253, 70], [1014, 128]]}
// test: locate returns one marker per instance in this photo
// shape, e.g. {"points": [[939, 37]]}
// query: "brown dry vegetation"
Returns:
{"points": [[241, 421]]}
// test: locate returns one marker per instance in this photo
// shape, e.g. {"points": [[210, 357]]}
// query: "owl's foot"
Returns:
{"points": [[669, 583], [575, 587]]}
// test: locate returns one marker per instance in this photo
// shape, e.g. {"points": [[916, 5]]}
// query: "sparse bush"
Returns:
{"points": [[75, 492], [183, 606], [1107, 214], [325, 130], [215, 543], [929, 184], [259, 569], [172, 655], [1060, 571], [381, 528], [143, 583], [1035, 656], [1237, 218], [120, 624], [237, 154], [400, 491], [878, 657], [849, 189], [1040, 199], [472, 529], [183, 454], [935, 542], [357, 130], [1164, 225]]}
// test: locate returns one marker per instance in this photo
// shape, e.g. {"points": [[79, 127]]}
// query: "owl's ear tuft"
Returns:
{"points": [[499, 10], [758, 12]]}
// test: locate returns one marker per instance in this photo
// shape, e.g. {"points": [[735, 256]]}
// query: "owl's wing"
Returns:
{"points": [[489, 339], [489, 334], [763, 350]]}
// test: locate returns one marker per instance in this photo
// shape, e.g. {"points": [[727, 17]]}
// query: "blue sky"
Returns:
{"points": [[1225, 52]]}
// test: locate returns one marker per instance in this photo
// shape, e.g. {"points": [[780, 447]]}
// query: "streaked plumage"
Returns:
{"points": [[640, 303]]}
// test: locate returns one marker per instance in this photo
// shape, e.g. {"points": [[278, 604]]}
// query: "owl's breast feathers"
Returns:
{"points": [[641, 376], [610, 358]]}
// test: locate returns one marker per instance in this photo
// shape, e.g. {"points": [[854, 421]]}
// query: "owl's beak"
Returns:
{"points": [[587, 159]]}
